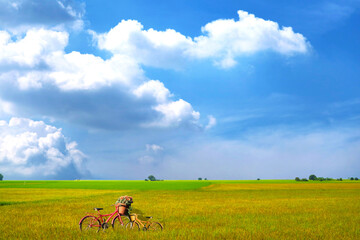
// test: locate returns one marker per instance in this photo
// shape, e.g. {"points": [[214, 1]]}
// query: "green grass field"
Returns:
{"points": [[265, 209]]}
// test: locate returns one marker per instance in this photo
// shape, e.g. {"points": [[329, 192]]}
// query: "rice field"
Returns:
{"points": [[188, 209]]}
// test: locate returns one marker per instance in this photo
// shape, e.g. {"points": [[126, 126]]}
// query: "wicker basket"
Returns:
{"points": [[132, 217], [122, 210]]}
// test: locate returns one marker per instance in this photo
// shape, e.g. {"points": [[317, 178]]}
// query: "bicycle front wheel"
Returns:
{"points": [[132, 226], [117, 224], [155, 226], [90, 223]]}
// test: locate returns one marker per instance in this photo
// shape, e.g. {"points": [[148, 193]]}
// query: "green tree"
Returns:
{"points": [[1, 177], [312, 177], [304, 179], [356, 179], [199, 178], [297, 179], [152, 178], [351, 178]]}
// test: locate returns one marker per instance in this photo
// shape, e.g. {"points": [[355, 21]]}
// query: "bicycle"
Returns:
{"points": [[92, 222], [147, 225]]}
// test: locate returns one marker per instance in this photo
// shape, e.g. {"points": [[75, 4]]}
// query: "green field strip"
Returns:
{"points": [[145, 185], [107, 185]]}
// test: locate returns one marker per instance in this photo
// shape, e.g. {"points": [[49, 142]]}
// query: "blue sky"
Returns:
{"points": [[180, 90]]}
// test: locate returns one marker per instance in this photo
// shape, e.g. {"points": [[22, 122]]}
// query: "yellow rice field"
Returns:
{"points": [[218, 211]]}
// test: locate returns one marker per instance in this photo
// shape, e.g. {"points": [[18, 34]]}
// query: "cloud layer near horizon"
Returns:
{"points": [[33, 149], [284, 153]]}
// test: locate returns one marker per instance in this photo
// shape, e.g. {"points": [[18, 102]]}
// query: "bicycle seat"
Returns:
{"points": [[98, 209], [149, 217]]}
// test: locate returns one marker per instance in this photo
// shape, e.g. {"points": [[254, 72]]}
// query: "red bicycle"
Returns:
{"points": [[94, 223]]}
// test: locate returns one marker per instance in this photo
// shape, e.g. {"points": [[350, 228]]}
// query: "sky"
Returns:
{"points": [[179, 89]]}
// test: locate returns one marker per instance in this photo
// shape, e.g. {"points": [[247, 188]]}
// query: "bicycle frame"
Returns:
{"points": [[142, 223], [101, 216]]}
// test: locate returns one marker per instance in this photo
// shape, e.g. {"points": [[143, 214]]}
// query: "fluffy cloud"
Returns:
{"points": [[31, 50], [20, 15], [33, 149], [149, 47], [38, 63], [223, 41], [175, 113], [153, 89], [39, 59], [227, 39]]}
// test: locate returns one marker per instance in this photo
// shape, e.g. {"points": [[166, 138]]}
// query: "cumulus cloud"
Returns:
{"points": [[38, 63], [32, 49], [33, 149], [175, 113], [149, 47], [153, 89], [223, 41], [39, 58], [226, 39], [20, 15]]}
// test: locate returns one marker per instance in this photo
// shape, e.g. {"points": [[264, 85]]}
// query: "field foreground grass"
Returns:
{"points": [[216, 209]]}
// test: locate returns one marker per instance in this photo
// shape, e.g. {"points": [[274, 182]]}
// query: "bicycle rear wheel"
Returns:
{"points": [[155, 226], [132, 226], [116, 224], [90, 223]]}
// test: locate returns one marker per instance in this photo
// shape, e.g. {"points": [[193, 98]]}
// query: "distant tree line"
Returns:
{"points": [[313, 177], [201, 178], [152, 178], [1, 177]]}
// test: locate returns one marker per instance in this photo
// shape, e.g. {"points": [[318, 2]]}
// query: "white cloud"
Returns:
{"points": [[153, 148], [33, 149], [227, 39], [175, 113], [154, 89], [38, 60], [149, 47], [72, 71], [76, 71], [33, 48], [212, 122], [223, 41]]}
